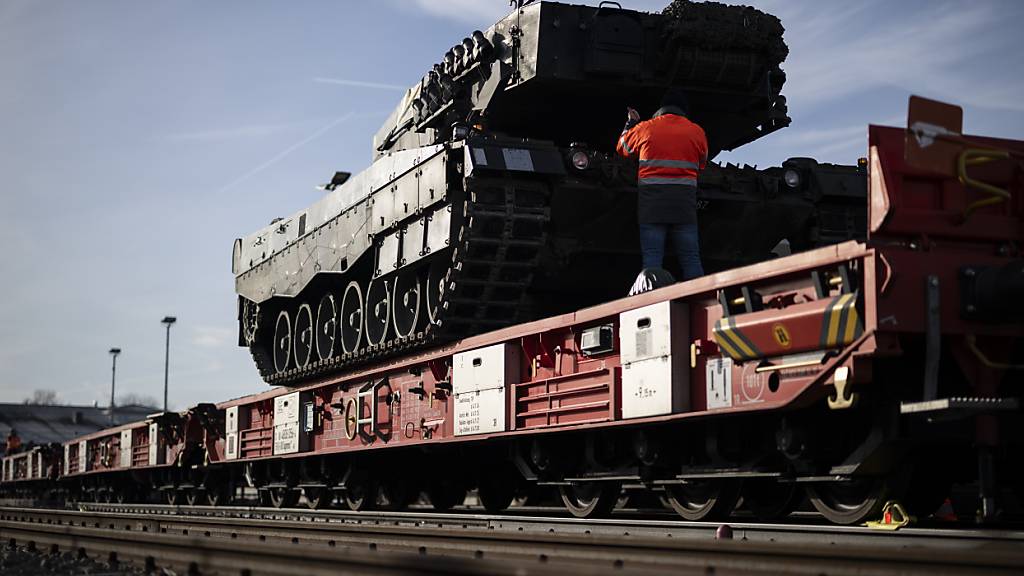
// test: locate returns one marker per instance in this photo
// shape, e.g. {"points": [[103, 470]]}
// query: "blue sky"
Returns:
{"points": [[138, 139]]}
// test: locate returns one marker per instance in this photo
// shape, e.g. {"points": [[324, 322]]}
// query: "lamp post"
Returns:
{"points": [[113, 378], [168, 320]]}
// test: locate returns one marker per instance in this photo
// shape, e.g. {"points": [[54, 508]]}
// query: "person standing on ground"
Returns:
{"points": [[672, 151]]}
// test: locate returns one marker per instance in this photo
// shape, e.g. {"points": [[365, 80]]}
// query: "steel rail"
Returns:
{"points": [[552, 520], [569, 552]]}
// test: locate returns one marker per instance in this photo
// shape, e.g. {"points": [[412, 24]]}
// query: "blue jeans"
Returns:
{"points": [[685, 241]]}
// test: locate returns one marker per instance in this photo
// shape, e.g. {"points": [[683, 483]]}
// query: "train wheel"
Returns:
{"points": [[495, 494], [361, 494], [406, 309], [704, 499], [590, 499], [303, 336], [282, 341], [172, 496], [317, 497], [352, 317], [436, 277], [326, 328], [283, 497], [768, 499], [930, 483], [397, 493], [378, 312], [850, 502], [446, 495], [217, 495]]}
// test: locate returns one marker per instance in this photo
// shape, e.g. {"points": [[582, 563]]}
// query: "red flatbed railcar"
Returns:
{"points": [[858, 373]]}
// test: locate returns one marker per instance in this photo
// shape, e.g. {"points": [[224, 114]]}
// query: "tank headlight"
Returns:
{"points": [[580, 160], [791, 177]]}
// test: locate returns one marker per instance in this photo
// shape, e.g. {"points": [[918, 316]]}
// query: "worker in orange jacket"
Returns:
{"points": [[13, 443], [672, 151]]}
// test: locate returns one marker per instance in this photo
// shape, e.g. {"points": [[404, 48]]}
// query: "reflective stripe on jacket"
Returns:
{"points": [[671, 148]]}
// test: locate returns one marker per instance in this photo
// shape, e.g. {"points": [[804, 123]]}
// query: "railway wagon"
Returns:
{"points": [[135, 460], [32, 472], [857, 373]]}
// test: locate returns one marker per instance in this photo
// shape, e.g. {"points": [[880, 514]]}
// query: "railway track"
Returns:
{"points": [[242, 540]]}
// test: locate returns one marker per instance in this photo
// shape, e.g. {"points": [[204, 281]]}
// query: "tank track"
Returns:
{"points": [[501, 231]]}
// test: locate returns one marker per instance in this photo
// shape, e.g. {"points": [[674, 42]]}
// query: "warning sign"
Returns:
{"points": [[781, 335]]}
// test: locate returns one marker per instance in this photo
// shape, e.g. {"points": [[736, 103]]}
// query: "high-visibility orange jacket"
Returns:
{"points": [[671, 148]]}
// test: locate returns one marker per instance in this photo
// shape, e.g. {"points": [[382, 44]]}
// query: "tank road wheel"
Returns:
{"points": [[768, 500], [704, 499], [282, 341], [436, 277], [406, 309], [378, 312], [849, 502], [590, 499], [326, 327], [351, 318], [303, 336], [283, 497]]}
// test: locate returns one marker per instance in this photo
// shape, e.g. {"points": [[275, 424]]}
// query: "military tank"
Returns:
{"points": [[495, 196]]}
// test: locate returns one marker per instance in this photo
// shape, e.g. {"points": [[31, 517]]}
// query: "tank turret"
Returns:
{"points": [[495, 196]]}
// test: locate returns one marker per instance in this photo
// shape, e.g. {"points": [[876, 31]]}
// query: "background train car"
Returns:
{"points": [[136, 460], [32, 473]]}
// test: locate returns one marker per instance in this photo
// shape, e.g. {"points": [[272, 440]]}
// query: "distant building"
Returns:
{"points": [[40, 424]]}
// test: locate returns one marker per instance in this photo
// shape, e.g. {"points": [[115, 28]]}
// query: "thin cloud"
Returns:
{"points": [[476, 12], [360, 84], [219, 134], [212, 336], [838, 54], [284, 153]]}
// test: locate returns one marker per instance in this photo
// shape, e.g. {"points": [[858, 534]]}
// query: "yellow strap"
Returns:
{"points": [[972, 157]]}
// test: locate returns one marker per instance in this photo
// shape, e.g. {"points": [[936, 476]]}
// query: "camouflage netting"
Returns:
{"points": [[715, 25]]}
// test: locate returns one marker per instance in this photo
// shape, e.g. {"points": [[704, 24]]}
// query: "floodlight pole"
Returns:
{"points": [[113, 378], [168, 320]]}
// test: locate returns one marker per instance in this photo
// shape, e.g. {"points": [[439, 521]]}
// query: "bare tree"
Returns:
{"points": [[42, 397], [137, 400]]}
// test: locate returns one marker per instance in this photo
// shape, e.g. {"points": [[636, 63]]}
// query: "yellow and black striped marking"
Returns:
{"points": [[842, 322], [733, 342]]}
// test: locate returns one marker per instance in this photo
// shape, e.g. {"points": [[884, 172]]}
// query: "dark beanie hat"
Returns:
{"points": [[676, 96]]}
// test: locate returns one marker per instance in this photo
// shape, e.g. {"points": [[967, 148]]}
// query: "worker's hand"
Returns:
{"points": [[632, 115]]}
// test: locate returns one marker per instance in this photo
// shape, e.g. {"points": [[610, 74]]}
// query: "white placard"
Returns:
{"points": [[517, 159], [479, 157], [480, 412], [718, 381]]}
